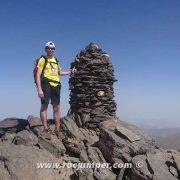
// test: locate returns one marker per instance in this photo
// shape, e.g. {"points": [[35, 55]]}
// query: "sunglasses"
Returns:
{"points": [[50, 48]]}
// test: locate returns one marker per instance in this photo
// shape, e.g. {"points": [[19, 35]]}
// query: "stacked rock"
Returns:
{"points": [[91, 87]]}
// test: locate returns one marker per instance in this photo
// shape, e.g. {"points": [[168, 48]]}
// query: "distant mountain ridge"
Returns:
{"points": [[161, 132], [168, 138], [169, 142]]}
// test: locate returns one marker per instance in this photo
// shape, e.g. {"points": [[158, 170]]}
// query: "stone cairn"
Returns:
{"points": [[91, 96]]}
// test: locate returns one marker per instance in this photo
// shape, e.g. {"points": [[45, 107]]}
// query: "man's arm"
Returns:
{"points": [[64, 73], [38, 83], [67, 72]]}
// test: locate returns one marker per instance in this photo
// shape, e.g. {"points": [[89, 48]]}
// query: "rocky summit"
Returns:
{"points": [[91, 134]]}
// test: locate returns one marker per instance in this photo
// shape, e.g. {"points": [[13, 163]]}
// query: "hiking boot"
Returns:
{"points": [[47, 134], [58, 134]]}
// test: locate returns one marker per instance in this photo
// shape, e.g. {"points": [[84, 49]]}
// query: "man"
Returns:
{"points": [[48, 87]]}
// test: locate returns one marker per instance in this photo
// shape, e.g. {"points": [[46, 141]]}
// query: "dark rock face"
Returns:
{"points": [[91, 134], [91, 97]]}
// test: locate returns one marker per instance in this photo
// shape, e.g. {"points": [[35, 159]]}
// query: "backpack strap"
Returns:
{"points": [[50, 80], [45, 63], [57, 62]]}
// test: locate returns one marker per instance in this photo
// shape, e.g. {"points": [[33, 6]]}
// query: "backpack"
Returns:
{"points": [[42, 74]]}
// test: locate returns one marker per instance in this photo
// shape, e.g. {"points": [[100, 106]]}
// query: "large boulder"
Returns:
{"points": [[158, 165], [12, 125], [21, 162], [117, 141], [25, 138]]}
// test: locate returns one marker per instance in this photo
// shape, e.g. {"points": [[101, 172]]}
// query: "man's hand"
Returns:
{"points": [[40, 94], [74, 70], [68, 72]]}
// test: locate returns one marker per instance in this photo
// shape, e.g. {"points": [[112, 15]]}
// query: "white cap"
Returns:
{"points": [[50, 44]]}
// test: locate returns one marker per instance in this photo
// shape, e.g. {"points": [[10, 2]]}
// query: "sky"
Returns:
{"points": [[142, 38]]}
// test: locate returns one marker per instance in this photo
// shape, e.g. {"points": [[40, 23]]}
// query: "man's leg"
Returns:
{"points": [[55, 101], [57, 116], [43, 115]]}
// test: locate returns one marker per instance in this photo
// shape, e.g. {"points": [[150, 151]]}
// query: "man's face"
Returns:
{"points": [[50, 51]]}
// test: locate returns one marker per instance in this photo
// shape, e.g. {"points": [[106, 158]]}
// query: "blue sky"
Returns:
{"points": [[142, 38]]}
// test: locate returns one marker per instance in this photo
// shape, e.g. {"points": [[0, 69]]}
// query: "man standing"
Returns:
{"points": [[48, 87]]}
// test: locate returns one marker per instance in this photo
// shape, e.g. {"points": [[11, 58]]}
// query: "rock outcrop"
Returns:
{"points": [[87, 137], [116, 143]]}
